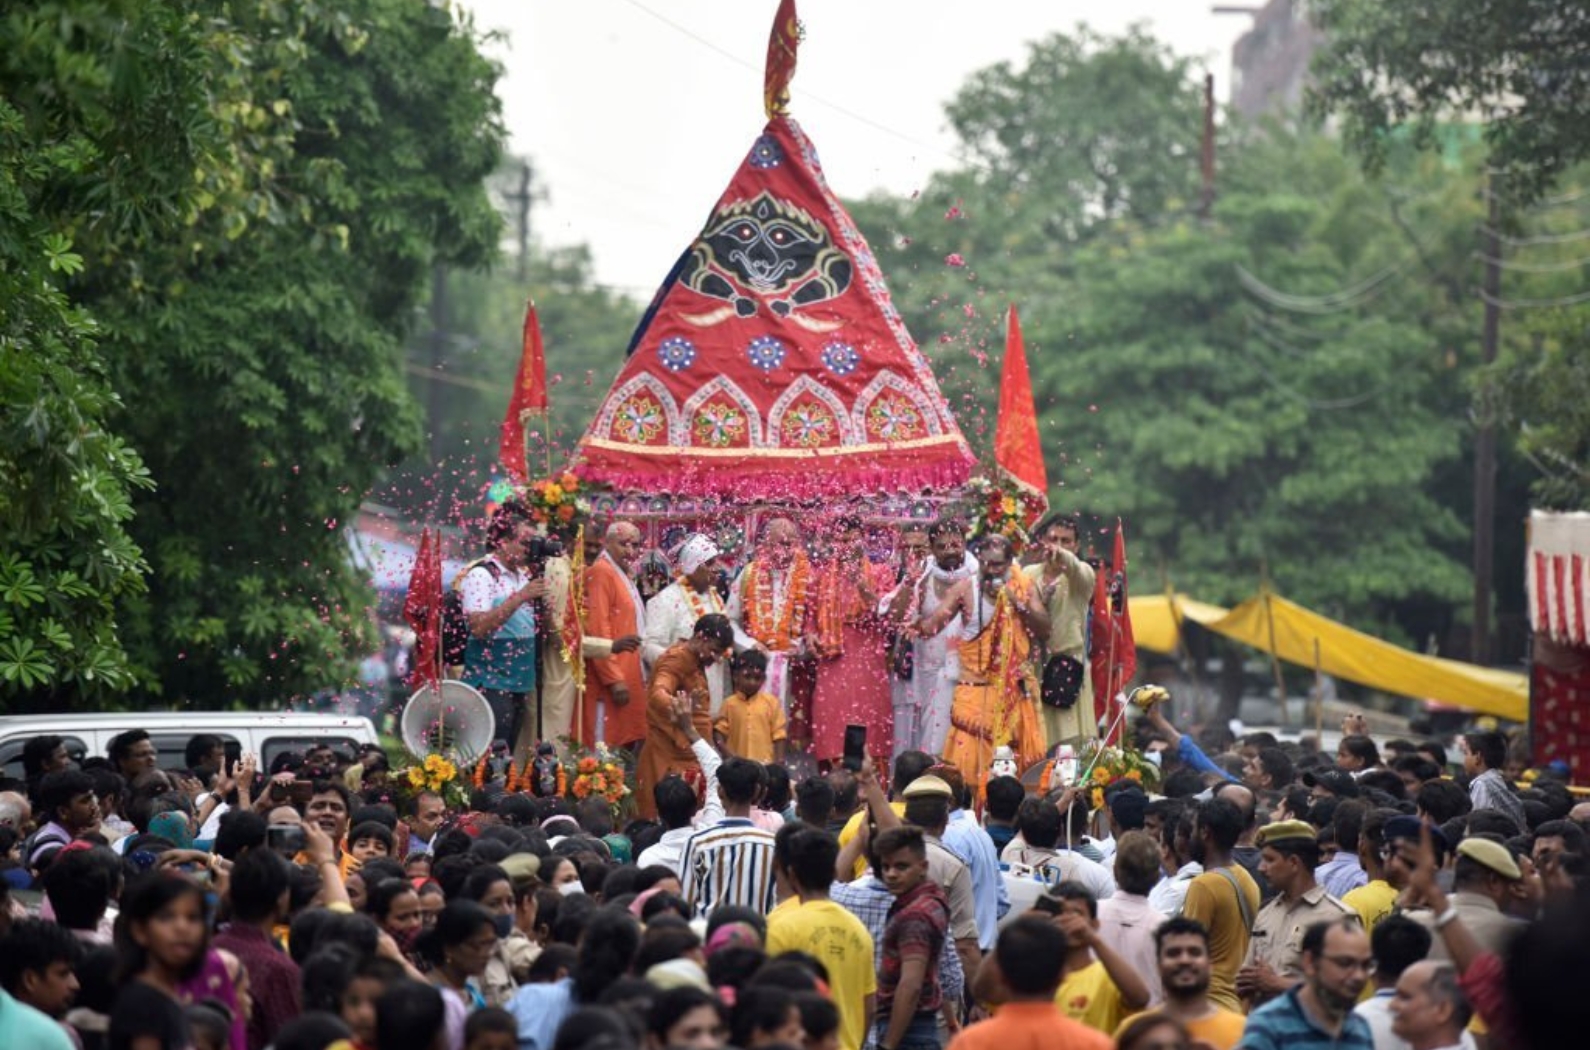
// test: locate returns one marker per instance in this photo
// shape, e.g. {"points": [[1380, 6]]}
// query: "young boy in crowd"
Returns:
{"points": [[370, 839], [751, 723]]}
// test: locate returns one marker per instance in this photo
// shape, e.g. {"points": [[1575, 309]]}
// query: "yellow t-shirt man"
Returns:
{"points": [[1089, 996], [837, 939], [1372, 901], [1213, 901]]}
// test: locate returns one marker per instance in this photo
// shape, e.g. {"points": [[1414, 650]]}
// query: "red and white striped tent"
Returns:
{"points": [[1558, 580]]}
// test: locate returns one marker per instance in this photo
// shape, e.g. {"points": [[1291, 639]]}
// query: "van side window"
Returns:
{"points": [[172, 748], [11, 753], [274, 746]]}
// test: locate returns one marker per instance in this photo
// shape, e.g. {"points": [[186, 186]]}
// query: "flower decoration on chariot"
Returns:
{"points": [[676, 353], [893, 418], [719, 425], [766, 352], [808, 426], [840, 358], [639, 420]]}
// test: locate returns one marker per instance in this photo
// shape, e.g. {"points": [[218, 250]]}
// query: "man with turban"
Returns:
{"points": [[672, 614]]}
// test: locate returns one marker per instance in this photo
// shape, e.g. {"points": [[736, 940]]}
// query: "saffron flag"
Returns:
{"points": [[1112, 652], [529, 396], [1017, 449], [422, 608]]}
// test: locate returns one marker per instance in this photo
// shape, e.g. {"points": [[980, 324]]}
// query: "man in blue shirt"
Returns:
{"points": [[499, 597], [1318, 1013]]}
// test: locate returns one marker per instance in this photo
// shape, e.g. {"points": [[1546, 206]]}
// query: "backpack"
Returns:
{"points": [[455, 625]]}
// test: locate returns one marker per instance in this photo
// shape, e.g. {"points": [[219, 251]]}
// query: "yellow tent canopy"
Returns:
{"points": [[1343, 652]]}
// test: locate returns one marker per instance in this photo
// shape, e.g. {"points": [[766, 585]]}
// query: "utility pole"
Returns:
{"points": [[1206, 165], [521, 201], [433, 389], [1485, 432]]}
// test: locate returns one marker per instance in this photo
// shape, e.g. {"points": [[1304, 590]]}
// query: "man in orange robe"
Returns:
{"points": [[680, 669], [615, 708], [995, 697]]}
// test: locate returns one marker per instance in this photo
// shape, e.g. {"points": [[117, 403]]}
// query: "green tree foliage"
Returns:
{"points": [[1281, 385], [262, 354], [102, 125], [584, 328], [255, 248], [1518, 66]]}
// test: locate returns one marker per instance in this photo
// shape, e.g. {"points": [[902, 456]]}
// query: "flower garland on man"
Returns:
{"points": [[767, 608], [1001, 615], [673, 612], [850, 640]]}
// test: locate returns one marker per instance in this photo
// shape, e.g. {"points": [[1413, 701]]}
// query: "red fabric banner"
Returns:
{"points": [[782, 43], [529, 396], [422, 608], [774, 364], [1112, 652], [1017, 448]]}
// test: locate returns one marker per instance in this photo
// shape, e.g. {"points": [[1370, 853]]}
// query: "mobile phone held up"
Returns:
{"points": [[286, 839], [855, 747]]}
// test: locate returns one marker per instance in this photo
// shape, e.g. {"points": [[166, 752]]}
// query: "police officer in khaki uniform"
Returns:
{"points": [[1289, 853]]}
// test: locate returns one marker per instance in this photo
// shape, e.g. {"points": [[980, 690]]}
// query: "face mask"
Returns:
{"points": [[504, 924], [569, 889]]}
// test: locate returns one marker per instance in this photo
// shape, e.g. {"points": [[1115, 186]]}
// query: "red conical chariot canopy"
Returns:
{"points": [[772, 364]]}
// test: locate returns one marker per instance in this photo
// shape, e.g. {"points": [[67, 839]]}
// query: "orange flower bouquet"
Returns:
{"points": [[556, 500], [600, 774]]}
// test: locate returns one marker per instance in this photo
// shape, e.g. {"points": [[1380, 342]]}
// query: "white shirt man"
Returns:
{"points": [[672, 613], [922, 704]]}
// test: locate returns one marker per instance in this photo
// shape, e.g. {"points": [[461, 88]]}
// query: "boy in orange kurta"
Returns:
{"points": [[751, 724], [681, 669], [614, 684]]}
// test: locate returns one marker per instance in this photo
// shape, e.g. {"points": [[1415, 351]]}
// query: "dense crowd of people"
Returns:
{"points": [[777, 879], [1264, 895]]}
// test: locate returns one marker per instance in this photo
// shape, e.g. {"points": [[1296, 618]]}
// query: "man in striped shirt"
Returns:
{"points": [[731, 862]]}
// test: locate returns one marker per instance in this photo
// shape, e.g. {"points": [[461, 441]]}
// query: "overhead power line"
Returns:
{"points": [[1344, 299], [1534, 304]]}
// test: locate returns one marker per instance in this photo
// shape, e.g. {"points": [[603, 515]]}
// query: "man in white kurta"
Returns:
{"points": [[672, 613], [922, 704]]}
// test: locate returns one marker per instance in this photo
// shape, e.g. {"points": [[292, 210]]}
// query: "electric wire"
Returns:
{"points": [[1535, 304], [1345, 299]]}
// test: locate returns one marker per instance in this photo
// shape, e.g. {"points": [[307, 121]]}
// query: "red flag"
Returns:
{"points": [[529, 395], [780, 69], [422, 608], [1112, 652], [1017, 449]]}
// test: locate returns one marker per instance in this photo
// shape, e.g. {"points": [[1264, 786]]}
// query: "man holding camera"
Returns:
{"points": [[499, 595]]}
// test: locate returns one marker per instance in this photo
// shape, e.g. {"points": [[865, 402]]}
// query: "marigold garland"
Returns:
{"points": [[776, 629]]}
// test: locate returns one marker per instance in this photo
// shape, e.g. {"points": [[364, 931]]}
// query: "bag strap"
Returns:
{"points": [[1242, 898], [479, 563]]}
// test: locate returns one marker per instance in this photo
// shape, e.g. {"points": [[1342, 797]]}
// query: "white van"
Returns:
{"points": [[266, 733]]}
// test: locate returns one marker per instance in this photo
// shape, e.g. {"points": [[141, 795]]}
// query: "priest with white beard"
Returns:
{"points": [[922, 703], [672, 613]]}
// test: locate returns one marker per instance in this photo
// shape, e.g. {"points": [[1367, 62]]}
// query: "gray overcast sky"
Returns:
{"points": [[635, 113]]}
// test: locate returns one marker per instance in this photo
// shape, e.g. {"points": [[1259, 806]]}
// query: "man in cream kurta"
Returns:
{"points": [[672, 613], [557, 677], [1065, 582]]}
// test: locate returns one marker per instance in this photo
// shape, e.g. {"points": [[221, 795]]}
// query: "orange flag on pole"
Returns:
{"points": [[422, 608], [529, 398], [1017, 449]]}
